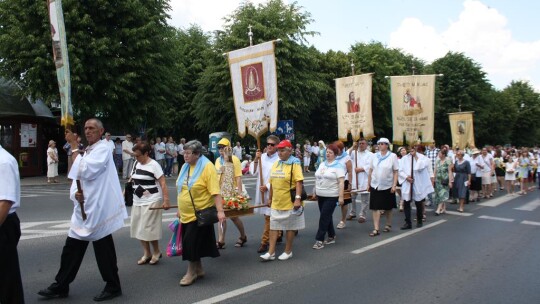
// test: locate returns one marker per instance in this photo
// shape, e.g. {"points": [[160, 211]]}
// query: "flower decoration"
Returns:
{"points": [[237, 202]]}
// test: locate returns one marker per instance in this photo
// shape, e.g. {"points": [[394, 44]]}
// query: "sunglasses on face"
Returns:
{"points": [[220, 147], [270, 144]]}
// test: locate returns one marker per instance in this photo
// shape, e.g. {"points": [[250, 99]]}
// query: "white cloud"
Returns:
{"points": [[482, 34], [208, 14]]}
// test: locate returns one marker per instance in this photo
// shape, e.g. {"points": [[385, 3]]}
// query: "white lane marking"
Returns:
{"points": [[397, 237], [235, 293], [530, 206], [502, 219], [497, 201], [59, 226], [459, 213], [530, 223]]}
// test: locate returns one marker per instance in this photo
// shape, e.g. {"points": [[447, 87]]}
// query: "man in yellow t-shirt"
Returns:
{"points": [[223, 145]]}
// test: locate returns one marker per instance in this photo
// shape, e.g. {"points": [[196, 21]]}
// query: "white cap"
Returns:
{"points": [[383, 140]]}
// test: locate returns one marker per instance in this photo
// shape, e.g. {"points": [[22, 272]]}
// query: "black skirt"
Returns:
{"points": [[476, 183], [198, 242], [382, 199]]}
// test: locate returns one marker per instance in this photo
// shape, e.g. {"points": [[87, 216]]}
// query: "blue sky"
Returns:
{"points": [[501, 35]]}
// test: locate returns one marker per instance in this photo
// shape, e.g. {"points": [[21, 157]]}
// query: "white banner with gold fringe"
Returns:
{"points": [[254, 83]]}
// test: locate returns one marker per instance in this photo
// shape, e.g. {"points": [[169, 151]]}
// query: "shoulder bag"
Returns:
{"points": [[205, 217], [293, 190]]}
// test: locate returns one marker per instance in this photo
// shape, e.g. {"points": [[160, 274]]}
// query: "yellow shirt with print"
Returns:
{"points": [[202, 191], [236, 163], [280, 178]]}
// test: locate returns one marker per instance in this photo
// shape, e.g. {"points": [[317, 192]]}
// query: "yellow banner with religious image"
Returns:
{"points": [[413, 108], [462, 129], [353, 96]]}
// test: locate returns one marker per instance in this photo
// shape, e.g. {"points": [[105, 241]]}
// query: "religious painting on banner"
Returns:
{"points": [[462, 128], [353, 96], [254, 83], [413, 108], [61, 62]]}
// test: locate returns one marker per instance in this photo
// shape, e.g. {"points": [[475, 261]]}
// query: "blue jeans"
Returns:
{"points": [[168, 168], [326, 224]]}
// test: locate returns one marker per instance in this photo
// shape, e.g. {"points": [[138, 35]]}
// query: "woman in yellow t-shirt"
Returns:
{"points": [[286, 174], [198, 188]]}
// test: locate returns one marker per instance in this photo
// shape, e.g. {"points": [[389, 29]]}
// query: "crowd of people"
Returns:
{"points": [[355, 179]]}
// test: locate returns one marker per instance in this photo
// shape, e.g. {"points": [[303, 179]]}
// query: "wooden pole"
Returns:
{"points": [[260, 169], [81, 204]]}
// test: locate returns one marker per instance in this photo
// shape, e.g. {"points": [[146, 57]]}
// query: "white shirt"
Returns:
{"points": [[146, 176], [488, 161], [103, 200], [315, 150], [237, 151], [126, 145], [159, 151], [422, 185], [477, 165], [382, 171], [10, 187], [360, 159], [343, 160], [267, 163], [180, 149], [110, 144], [327, 179]]}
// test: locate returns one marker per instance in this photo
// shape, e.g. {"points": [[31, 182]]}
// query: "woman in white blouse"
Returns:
{"points": [[382, 180], [329, 188]]}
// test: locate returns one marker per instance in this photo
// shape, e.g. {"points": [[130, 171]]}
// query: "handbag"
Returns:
{"points": [[205, 217], [174, 248], [303, 196], [445, 182], [128, 189]]}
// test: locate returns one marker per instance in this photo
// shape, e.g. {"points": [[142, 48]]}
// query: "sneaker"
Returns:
{"points": [[318, 245], [284, 256], [330, 240], [268, 257], [341, 225]]}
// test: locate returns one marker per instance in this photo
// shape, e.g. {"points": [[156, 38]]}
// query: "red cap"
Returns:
{"points": [[284, 144]]}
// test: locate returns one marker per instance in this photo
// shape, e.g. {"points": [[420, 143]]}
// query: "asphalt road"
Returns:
{"points": [[490, 254]]}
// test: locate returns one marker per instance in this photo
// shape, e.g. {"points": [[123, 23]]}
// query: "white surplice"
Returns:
{"points": [[422, 185], [363, 160], [103, 200], [267, 162]]}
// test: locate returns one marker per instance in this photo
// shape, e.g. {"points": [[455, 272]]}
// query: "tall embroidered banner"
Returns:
{"points": [[462, 128], [60, 54], [413, 108], [353, 96], [254, 83]]}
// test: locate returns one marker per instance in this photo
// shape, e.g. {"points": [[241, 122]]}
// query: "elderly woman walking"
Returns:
{"points": [[198, 188], [52, 162], [444, 180], [382, 181], [150, 191], [285, 214]]}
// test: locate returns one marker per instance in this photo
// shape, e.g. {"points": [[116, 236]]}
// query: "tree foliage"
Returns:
{"points": [[120, 53]]}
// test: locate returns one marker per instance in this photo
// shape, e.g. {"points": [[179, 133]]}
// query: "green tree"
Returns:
{"points": [[120, 52], [520, 108], [464, 85]]}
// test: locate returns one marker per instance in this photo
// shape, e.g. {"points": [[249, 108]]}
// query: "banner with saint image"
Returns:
{"points": [[61, 62], [462, 129], [413, 108], [254, 83], [353, 96]]}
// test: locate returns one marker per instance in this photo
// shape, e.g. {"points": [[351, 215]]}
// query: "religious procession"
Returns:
{"points": [[370, 179]]}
